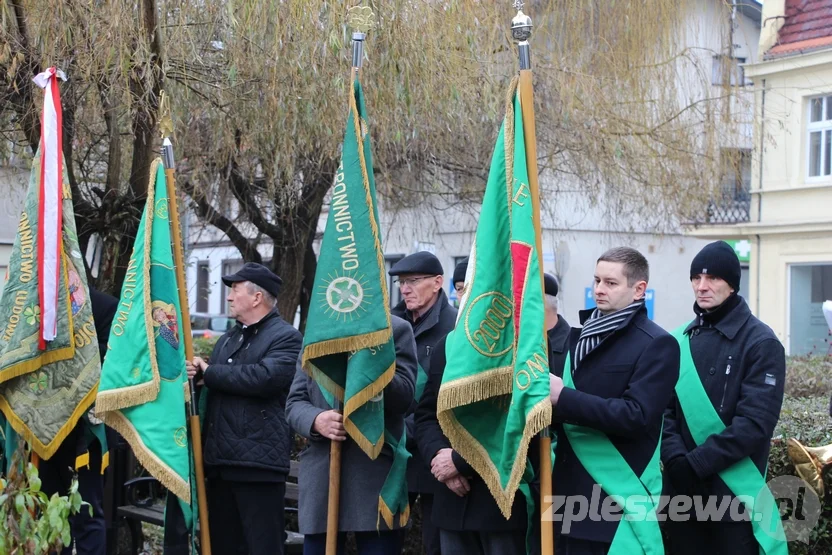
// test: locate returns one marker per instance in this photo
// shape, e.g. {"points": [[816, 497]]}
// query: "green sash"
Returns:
{"points": [[743, 477], [638, 532]]}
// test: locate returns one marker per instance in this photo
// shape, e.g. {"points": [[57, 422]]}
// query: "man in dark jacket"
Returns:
{"points": [[247, 440], [468, 518], [623, 368], [741, 365], [362, 478], [559, 329], [425, 307]]}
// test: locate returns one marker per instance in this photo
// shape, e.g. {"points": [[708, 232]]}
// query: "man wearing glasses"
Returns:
{"points": [[425, 307]]}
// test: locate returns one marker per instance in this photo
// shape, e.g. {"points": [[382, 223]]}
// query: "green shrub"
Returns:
{"points": [[33, 524], [809, 376], [203, 346]]}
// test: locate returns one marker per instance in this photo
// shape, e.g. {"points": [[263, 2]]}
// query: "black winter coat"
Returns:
{"points": [[477, 511], [248, 378], [622, 387], [433, 326], [742, 366]]}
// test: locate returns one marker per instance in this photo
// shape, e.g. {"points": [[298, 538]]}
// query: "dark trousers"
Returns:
{"points": [[482, 543], [576, 546], [368, 543], [430, 533], [89, 533], [712, 538], [246, 518]]}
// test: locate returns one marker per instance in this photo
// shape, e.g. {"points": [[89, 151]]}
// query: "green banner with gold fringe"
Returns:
{"points": [[348, 347], [43, 393], [143, 382]]}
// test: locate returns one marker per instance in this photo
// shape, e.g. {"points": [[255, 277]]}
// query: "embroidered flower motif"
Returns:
{"points": [[38, 382], [32, 314]]}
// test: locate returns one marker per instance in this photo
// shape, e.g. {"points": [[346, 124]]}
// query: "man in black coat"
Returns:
{"points": [[425, 307], [247, 440], [742, 367], [557, 326], [468, 518], [624, 369]]}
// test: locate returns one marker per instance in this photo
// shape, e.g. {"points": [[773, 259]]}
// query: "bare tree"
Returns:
{"points": [[259, 93]]}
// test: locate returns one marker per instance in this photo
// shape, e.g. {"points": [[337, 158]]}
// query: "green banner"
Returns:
{"points": [[143, 382], [348, 347], [43, 393], [495, 389]]}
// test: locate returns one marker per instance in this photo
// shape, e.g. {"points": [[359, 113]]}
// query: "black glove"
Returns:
{"points": [[683, 477]]}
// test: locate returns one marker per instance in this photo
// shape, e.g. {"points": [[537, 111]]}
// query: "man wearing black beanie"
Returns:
{"points": [[732, 380]]}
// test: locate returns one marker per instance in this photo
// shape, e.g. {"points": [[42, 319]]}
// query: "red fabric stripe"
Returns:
{"points": [[520, 255]]}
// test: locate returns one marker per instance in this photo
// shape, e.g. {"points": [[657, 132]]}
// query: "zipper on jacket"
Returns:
{"points": [[725, 387]]}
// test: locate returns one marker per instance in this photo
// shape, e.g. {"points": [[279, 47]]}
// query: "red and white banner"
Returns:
{"points": [[50, 203]]}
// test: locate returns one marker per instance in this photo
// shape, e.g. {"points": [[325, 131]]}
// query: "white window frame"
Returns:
{"points": [[823, 126]]}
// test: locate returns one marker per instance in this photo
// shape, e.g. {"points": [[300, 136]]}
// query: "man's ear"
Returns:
{"points": [[641, 289]]}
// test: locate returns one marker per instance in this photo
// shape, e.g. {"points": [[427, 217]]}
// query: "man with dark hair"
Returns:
{"points": [[619, 376], [247, 438], [733, 369], [425, 307]]}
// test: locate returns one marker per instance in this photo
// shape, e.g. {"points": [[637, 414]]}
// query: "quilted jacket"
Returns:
{"points": [[248, 379]]}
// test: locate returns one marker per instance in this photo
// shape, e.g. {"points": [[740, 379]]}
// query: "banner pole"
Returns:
{"points": [[187, 338], [521, 29]]}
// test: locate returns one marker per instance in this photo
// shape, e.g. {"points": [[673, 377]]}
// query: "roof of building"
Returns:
{"points": [[807, 27]]}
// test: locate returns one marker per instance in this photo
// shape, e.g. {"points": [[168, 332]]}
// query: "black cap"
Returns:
{"points": [[418, 263], [258, 275], [550, 285], [718, 259], [459, 271]]}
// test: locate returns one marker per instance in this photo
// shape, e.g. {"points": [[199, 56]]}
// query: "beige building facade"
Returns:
{"points": [[790, 222]]}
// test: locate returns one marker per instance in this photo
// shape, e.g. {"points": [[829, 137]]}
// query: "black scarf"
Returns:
{"points": [[599, 326]]}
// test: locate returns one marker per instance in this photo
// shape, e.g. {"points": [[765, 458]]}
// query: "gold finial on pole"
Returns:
{"points": [[361, 19], [165, 120]]}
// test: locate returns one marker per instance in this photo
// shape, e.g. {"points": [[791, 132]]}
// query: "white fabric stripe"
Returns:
{"points": [[50, 226]]}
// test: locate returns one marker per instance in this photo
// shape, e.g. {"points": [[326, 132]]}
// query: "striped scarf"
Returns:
{"points": [[599, 326]]}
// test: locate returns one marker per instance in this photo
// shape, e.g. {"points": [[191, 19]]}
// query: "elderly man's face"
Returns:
{"points": [[241, 301], [419, 291]]}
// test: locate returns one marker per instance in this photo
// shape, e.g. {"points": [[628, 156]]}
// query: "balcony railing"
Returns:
{"points": [[731, 207]]}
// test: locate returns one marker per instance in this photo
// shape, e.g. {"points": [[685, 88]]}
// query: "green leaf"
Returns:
{"points": [[20, 503]]}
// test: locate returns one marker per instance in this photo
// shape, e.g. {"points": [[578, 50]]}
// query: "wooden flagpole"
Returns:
{"points": [[521, 27], [182, 285]]}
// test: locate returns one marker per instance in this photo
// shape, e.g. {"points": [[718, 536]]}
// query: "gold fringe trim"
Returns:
{"points": [[322, 379], [356, 118], [475, 454], [345, 344], [105, 461], [46, 450], [48, 357], [130, 396], [371, 449], [126, 397], [508, 144], [360, 399], [82, 461], [471, 389], [162, 472], [385, 513]]}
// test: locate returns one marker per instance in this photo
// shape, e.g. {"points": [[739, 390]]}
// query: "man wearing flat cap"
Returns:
{"points": [[724, 409], [557, 326], [247, 440], [426, 308]]}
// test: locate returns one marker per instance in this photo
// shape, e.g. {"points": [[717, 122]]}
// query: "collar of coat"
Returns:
{"points": [[730, 325], [558, 335], [269, 315], [426, 322], [583, 316]]}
